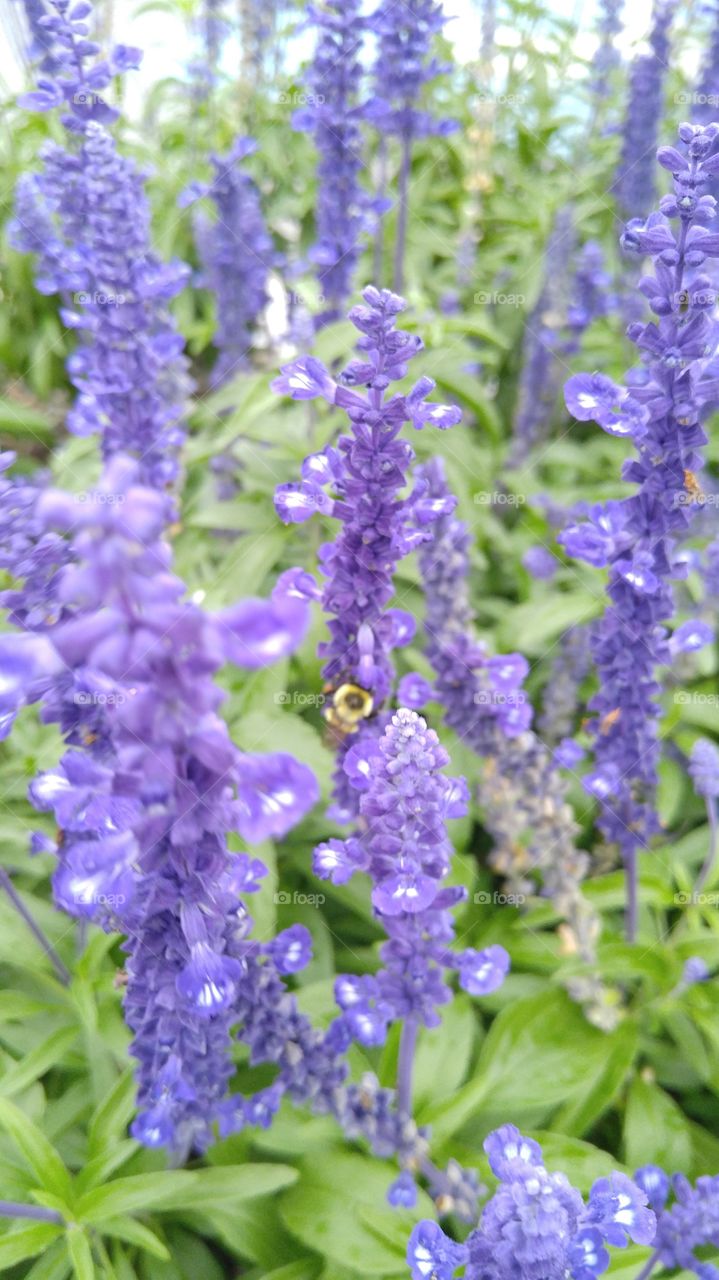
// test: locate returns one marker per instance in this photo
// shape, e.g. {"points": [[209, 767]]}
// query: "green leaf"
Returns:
{"points": [[37, 1062], [139, 1192], [39, 1154], [656, 1130], [133, 1232], [80, 1254], [540, 1055], [112, 1116], [28, 1242]]}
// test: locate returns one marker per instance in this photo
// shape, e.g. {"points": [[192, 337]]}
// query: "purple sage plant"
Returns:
{"points": [[635, 538]]}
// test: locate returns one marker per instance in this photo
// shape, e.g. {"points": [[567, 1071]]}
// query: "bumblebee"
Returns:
{"points": [[349, 705]]}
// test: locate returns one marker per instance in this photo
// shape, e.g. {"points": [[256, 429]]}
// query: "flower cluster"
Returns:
{"points": [[237, 254], [86, 218], [333, 115], [404, 64], [366, 472], [521, 790], [607, 56], [634, 183], [536, 1226], [403, 847], [151, 784], [691, 1222], [661, 412]]}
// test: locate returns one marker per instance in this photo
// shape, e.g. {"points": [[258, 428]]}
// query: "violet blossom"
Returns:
{"points": [[661, 413], [634, 183], [86, 218], [536, 1226], [150, 784], [358, 482]]}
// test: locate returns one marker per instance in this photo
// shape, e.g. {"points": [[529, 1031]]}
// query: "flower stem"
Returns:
{"points": [[7, 884], [403, 196], [630, 872], [407, 1045], [648, 1267], [708, 865], [13, 1209]]}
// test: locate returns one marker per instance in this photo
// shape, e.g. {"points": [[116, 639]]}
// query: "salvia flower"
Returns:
{"points": [[359, 482], [237, 255], [607, 56], [634, 183], [689, 1223], [86, 218], [704, 768], [150, 785], [521, 790], [403, 847], [333, 115], [536, 1226], [661, 413], [404, 64]]}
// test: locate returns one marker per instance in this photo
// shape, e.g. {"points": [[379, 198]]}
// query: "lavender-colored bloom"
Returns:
{"points": [[655, 1184], [536, 1226], [405, 801], [634, 184], [691, 1222], [607, 56], [705, 99], [149, 787], [86, 218], [365, 474], [404, 65], [637, 537], [590, 296], [540, 563], [333, 116], [704, 768], [521, 791], [560, 699], [542, 365], [237, 254]]}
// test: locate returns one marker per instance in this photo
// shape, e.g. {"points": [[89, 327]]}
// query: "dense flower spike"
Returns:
{"points": [[607, 56], [86, 218], [404, 65], [536, 1226], [661, 411], [691, 1222], [237, 255], [151, 784], [366, 473], [403, 847], [333, 115], [634, 184], [521, 791], [560, 699]]}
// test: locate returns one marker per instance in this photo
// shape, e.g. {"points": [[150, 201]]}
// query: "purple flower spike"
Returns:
{"points": [[366, 474]]}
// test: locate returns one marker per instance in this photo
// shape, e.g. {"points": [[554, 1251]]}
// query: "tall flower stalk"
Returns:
{"points": [[150, 785], [635, 538], [333, 115], [404, 65], [359, 483], [634, 183], [86, 218]]}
